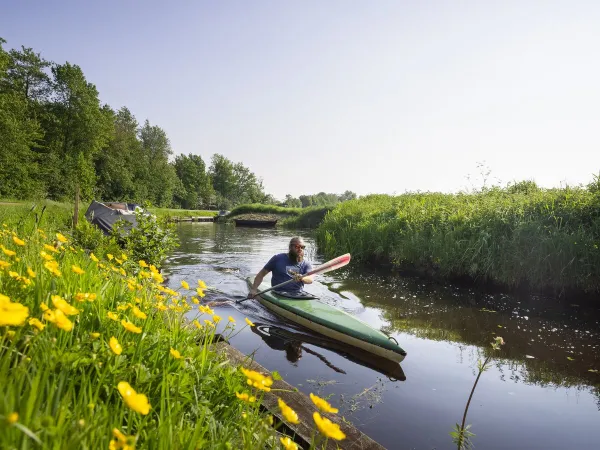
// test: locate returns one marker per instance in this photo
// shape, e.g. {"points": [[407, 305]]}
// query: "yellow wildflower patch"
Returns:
{"points": [[61, 303]]}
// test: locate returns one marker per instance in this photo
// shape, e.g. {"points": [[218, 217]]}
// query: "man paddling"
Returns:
{"points": [[286, 266]]}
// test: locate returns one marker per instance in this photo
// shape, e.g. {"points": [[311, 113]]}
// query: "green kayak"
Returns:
{"points": [[331, 322]]}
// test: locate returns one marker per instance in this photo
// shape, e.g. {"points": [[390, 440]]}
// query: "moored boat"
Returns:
{"points": [[330, 321]]}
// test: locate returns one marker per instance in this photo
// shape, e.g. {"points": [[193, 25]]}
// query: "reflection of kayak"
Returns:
{"points": [[331, 322], [291, 342]]}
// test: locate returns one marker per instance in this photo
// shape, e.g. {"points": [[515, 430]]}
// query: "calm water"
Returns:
{"points": [[539, 393]]}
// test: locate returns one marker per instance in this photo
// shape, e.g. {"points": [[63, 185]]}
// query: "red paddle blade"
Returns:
{"points": [[335, 263]]}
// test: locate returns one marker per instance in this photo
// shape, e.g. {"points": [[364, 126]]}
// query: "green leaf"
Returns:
{"points": [[276, 375]]}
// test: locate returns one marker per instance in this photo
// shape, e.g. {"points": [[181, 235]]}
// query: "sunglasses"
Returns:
{"points": [[299, 246]]}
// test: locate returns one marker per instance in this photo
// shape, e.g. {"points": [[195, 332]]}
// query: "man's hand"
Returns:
{"points": [[298, 277], [253, 292]]}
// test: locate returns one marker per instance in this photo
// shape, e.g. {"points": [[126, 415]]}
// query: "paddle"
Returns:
{"points": [[333, 264]]}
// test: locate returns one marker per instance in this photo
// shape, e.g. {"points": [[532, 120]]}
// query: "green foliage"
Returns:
{"points": [[266, 209], [308, 217], [540, 238], [151, 240], [196, 183]]}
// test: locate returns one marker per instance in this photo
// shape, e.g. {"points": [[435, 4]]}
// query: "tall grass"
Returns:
{"points": [[170, 212], [265, 209], [525, 236], [310, 217]]}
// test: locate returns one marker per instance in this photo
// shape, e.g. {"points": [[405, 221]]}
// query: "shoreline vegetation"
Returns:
{"points": [[520, 237], [96, 352]]}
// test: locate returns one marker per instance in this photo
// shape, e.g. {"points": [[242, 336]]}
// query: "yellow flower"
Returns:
{"points": [[208, 322], [118, 261], [216, 318], [93, 257], [61, 238], [206, 309], [289, 414], [43, 306], [18, 241], [130, 327], [109, 256], [123, 256], [137, 313], [195, 301], [185, 285], [175, 353], [137, 402], [197, 324], [113, 316], [122, 307], [59, 319], [122, 272], [82, 296], [4, 264], [30, 272], [121, 441], [200, 293], [46, 256], [115, 346], [12, 418], [249, 322], [78, 270], [50, 248], [142, 263], [161, 306], [244, 396], [52, 267], [328, 428], [8, 252], [157, 277], [322, 404], [36, 323], [231, 319], [12, 314], [94, 335], [201, 284], [288, 444], [258, 380], [61, 303]]}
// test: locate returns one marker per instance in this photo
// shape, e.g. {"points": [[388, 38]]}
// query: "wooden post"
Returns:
{"points": [[76, 211]]}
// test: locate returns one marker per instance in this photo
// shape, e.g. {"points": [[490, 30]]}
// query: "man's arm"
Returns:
{"points": [[257, 280]]}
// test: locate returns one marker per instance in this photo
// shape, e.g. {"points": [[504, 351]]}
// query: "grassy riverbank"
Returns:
{"points": [[81, 334], [520, 236], [309, 217], [170, 212]]}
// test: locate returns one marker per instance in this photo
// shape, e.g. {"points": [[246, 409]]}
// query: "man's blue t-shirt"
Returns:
{"points": [[281, 265]]}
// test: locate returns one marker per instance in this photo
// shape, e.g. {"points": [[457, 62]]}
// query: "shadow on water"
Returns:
{"points": [[542, 389]]}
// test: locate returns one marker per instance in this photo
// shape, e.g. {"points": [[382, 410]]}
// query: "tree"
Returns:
{"points": [[292, 202], [196, 183], [18, 133], [223, 180], [77, 129], [161, 179]]}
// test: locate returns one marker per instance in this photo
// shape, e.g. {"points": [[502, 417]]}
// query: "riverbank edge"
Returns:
{"points": [[300, 403]]}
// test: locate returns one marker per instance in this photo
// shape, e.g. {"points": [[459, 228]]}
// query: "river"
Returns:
{"points": [[542, 389]]}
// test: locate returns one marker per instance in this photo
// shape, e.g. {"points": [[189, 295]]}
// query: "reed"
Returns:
{"points": [[542, 239]]}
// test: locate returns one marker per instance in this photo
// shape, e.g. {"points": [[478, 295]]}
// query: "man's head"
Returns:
{"points": [[296, 249]]}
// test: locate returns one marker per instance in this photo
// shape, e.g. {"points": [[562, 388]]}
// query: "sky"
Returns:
{"points": [[368, 96]]}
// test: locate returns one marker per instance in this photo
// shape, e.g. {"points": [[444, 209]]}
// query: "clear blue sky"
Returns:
{"points": [[372, 96]]}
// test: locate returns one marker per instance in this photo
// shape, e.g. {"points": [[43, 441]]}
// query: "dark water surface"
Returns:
{"points": [[539, 392]]}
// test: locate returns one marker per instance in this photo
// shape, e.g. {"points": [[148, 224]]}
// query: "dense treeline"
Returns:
{"points": [[57, 136]]}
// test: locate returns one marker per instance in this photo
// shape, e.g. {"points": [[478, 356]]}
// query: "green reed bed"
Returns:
{"points": [[542, 239], [96, 353]]}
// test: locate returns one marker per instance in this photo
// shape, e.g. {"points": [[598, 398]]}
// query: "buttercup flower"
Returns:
{"points": [[93, 257], [328, 428], [115, 346], [12, 314], [249, 322], [111, 315], [185, 285], [288, 444], [175, 353], [322, 404], [12, 418], [137, 402], [289, 414], [130, 327], [36, 323], [78, 270], [61, 238], [244, 396], [18, 241], [137, 313]]}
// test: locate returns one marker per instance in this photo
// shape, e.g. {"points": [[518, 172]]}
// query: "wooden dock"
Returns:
{"points": [[194, 219]]}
